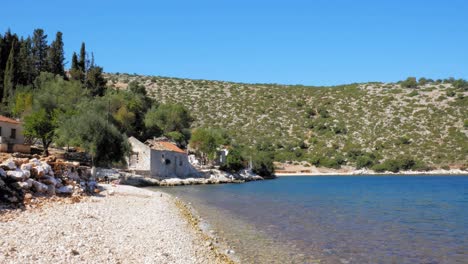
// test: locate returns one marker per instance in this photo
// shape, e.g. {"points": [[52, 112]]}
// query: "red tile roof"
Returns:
{"points": [[162, 145], [8, 120]]}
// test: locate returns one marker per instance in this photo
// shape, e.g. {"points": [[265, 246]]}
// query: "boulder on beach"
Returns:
{"points": [[16, 175], [39, 187], [67, 189]]}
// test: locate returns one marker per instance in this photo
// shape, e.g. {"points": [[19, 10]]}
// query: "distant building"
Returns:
{"points": [[221, 156], [11, 136], [159, 159]]}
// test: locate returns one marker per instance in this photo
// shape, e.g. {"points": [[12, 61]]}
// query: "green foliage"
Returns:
{"points": [[39, 51], [422, 81], [364, 162], [22, 102], [262, 163], [413, 93], [176, 136], [450, 93], [93, 133], [135, 87], [9, 78], [95, 81], [41, 124], [56, 56], [234, 160], [461, 84], [400, 163], [75, 72], [410, 82], [206, 141], [324, 161], [168, 118]]}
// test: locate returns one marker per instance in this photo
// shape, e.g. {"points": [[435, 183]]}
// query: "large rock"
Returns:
{"points": [[138, 180], [49, 180], [39, 171], [68, 189], [3, 173], [35, 162], [22, 185], [8, 165], [27, 166], [16, 175], [39, 187], [50, 190]]}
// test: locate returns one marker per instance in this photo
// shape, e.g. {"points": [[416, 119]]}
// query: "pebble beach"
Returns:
{"points": [[122, 224]]}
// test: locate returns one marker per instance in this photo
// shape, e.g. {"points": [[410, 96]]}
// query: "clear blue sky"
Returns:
{"points": [[313, 42]]}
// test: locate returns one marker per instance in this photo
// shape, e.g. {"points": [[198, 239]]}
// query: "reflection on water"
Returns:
{"points": [[353, 219]]}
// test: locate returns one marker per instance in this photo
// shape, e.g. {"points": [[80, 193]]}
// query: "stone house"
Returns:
{"points": [[159, 159], [11, 136]]}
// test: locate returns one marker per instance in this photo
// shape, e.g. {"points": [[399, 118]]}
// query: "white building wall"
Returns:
{"points": [[6, 133], [170, 164], [140, 159]]}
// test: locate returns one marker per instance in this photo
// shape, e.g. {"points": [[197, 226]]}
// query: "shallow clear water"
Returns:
{"points": [[352, 219]]}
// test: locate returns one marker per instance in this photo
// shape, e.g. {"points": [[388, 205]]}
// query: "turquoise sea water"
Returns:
{"points": [[342, 219]]}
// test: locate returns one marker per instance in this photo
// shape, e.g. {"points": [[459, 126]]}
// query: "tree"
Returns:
{"points": [[91, 131], [26, 70], [168, 118], [410, 82], [8, 42], [39, 50], [75, 72], [56, 56], [95, 82], [9, 79], [135, 87], [422, 81], [82, 61], [205, 141], [234, 160], [262, 164], [41, 125], [22, 102]]}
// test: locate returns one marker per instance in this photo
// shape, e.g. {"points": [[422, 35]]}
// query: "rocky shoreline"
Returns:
{"points": [[332, 172], [122, 224], [212, 176]]}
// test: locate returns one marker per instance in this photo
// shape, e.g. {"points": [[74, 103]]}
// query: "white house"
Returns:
{"points": [[11, 136], [159, 159]]}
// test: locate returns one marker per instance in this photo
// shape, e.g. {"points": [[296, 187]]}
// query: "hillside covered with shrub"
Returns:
{"points": [[420, 123]]}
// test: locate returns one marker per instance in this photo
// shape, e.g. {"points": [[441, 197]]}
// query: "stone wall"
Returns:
{"points": [[170, 164], [6, 133], [140, 159]]}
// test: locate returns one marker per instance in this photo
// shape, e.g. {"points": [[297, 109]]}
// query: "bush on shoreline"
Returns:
{"points": [[400, 163]]}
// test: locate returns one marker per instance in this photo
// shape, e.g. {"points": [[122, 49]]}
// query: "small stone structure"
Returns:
{"points": [[160, 159], [11, 136]]}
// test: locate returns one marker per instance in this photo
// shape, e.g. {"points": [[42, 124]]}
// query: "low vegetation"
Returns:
{"points": [[326, 125]]}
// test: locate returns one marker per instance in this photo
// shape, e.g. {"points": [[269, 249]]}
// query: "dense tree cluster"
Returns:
{"points": [[35, 86]]}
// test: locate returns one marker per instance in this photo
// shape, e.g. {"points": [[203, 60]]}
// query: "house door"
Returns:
{"points": [[10, 147]]}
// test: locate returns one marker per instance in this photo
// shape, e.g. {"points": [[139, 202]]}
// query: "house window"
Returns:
{"points": [[13, 133], [0, 131]]}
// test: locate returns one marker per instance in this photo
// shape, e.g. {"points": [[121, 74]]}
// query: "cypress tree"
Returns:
{"points": [[75, 71], [82, 61], [9, 40], [26, 72], [2, 70], [95, 81], [39, 50], [9, 78], [56, 56]]}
